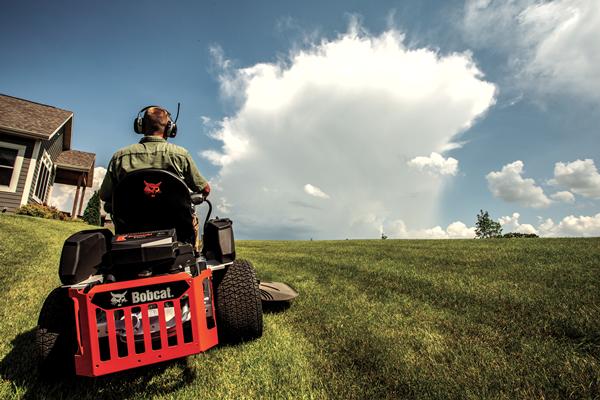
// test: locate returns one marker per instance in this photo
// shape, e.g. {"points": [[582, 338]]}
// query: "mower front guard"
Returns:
{"points": [[131, 302]]}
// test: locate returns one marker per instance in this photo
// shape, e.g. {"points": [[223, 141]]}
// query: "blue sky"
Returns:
{"points": [[237, 69]]}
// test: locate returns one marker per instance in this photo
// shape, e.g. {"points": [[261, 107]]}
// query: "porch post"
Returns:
{"points": [[76, 199], [82, 194]]}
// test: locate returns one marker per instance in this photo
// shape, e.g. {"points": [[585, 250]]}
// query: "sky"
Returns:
{"points": [[338, 119]]}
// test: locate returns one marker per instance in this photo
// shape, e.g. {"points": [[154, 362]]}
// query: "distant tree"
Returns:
{"points": [[485, 227], [512, 235], [91, 215]]}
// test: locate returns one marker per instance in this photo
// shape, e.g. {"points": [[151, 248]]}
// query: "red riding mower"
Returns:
{"points": [[143, 296]]}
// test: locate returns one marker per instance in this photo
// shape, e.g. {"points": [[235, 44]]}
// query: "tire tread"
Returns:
{"points": [[239, 308]]}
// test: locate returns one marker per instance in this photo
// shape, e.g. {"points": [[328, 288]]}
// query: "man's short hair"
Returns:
{"points": [[155, 120]]}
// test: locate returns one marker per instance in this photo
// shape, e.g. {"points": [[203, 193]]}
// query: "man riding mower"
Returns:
{"points": [[146, 294]]}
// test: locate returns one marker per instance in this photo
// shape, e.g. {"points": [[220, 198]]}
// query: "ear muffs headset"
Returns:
{"points": [[138, 123]]}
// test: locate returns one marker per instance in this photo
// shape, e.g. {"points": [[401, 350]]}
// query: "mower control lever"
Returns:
{"points": [[199, 198]]}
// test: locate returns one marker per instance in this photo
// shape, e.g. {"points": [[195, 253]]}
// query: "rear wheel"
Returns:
{"points": [[238, 304], [55, 337]]}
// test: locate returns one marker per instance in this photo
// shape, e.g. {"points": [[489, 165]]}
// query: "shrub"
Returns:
{"points": [[34, 210], [42, 211], [91, 215]]}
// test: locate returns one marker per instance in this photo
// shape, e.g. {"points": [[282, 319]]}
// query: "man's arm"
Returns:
{"points": [[194, 179], [106, 189]]}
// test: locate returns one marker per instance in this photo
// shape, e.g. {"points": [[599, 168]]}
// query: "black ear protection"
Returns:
{"points": [[170, 129]]}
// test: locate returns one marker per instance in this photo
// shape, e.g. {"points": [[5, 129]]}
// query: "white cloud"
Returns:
{"points": [[62, 196], [349, 110], [437, 232], [435, 164], [234, 145], [568, 226], [456, 230], [460, 230], [563, 196], [572, 226], [512, 224], [223, 205], [509, 185], [552, 45], [580, 176], [315, 191], [396, 229]]}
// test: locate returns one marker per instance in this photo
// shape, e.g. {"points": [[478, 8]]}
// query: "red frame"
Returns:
{"points": [[88, 360]]}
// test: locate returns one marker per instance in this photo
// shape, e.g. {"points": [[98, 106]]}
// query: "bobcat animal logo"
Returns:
{"points": [[152, 189], [118, 299]]}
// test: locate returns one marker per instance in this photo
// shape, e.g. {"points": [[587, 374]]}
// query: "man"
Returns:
{"points": [[153, 151]]}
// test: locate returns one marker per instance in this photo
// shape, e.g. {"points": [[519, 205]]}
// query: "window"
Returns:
{"points": [[43, 180], [11, 160]]}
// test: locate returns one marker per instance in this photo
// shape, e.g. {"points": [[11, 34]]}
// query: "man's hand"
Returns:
{"points": [[206, 190]]}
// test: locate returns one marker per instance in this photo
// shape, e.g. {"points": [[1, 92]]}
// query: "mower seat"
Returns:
{"points": [[151, 200]]}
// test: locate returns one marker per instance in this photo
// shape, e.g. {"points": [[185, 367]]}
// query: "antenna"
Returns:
{"points": [[177, 116]]}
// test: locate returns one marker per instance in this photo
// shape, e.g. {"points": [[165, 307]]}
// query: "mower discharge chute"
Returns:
{"points": [[144, 295]]}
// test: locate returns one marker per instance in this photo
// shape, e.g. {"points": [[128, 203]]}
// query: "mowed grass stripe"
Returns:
{"points": [[29, 249], [509, 333], [375, 319]]}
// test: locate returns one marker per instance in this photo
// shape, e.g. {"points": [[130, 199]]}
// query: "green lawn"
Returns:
{"points": [[516, 318]]}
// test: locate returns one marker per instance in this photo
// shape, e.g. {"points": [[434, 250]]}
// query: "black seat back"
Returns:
{"points": [[153, 199]]}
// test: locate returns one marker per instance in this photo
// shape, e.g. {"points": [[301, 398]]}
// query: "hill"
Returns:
{"points": [[513, 318]]}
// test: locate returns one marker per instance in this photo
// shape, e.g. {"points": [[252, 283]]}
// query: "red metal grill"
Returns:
{"points": [[124, 325]]}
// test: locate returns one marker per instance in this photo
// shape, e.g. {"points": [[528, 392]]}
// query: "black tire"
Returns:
{"points": [[238, 304], [55, 337]]}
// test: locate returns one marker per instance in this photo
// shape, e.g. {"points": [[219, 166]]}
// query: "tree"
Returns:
{"points": [[91, 215], [485, 227]]}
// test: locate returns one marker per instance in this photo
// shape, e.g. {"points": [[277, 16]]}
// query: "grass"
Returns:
{"points": [[375, 319]]}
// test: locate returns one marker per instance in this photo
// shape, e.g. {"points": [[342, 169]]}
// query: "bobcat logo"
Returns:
{"points": [[118, 299], [152, 189]]}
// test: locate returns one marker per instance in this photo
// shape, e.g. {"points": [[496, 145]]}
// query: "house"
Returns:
{"points": [[35, 153]]}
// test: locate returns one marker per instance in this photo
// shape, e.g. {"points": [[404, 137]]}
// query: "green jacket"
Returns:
{"points": [[150, 152]]}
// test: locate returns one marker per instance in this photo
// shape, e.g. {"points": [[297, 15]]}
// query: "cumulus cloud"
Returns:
{"points": [[435, 164], [460, 230], [572, 226], [512, 224], [315, 191], [509, 185], [580, 177], [223, 205], [563, 196], [349, 111], [63, 195], [456, 230], [551, 44]]}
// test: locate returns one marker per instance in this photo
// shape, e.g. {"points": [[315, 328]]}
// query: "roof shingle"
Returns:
{"points": [[76, 159], [29, 117]]}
